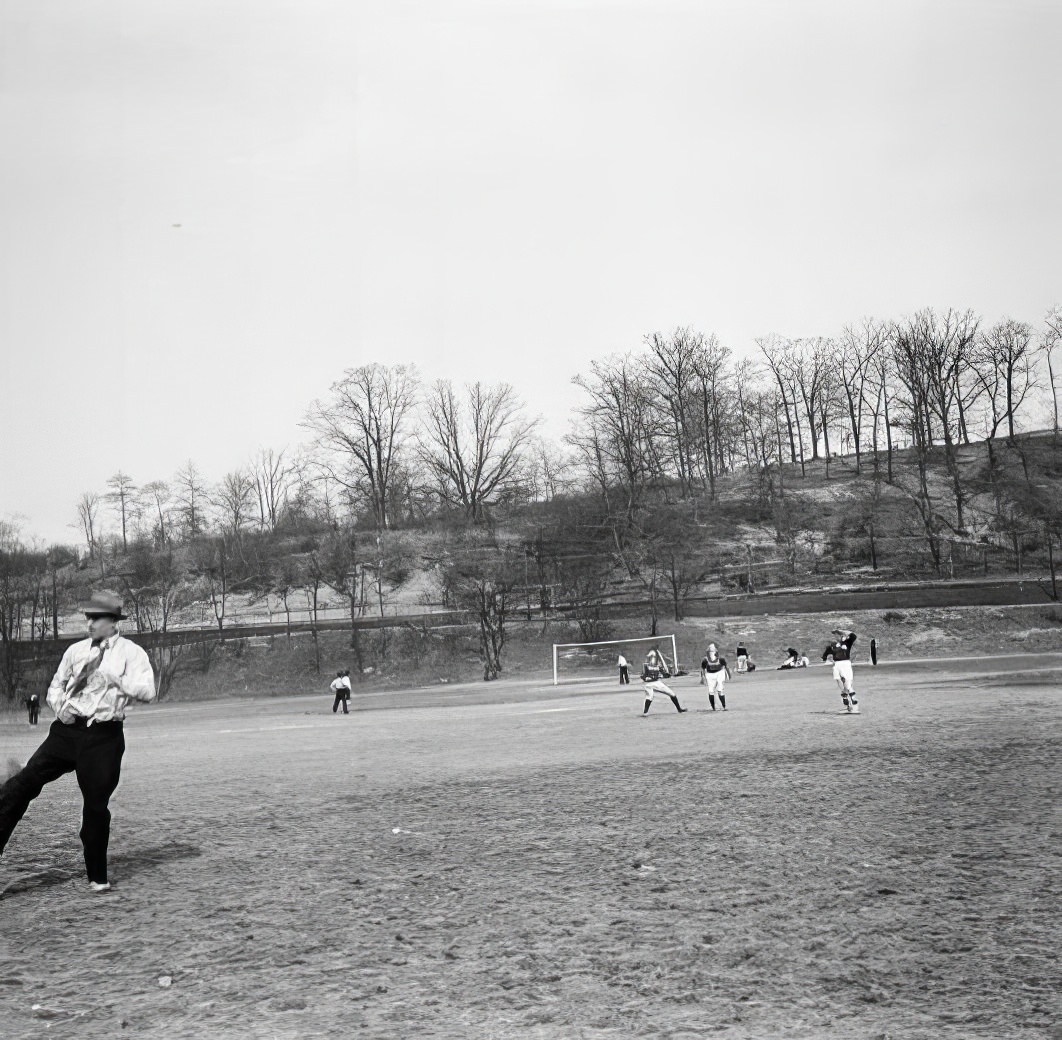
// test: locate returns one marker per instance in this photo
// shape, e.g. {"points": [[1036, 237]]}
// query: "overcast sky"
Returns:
{"points": [[209, 209]]}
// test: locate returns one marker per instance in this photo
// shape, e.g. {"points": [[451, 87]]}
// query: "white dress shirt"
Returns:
{"points": [[124, 674]]}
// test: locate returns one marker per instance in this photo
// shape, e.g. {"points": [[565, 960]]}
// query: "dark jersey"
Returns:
{"points": [[741, 651], [841, 650], [710, 666]]}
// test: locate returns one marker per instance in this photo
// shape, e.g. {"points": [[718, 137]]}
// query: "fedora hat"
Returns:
{"points": [[104, 602]]}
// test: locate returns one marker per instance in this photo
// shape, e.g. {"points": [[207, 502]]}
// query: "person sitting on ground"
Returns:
{"points": [[742, 657], [794, 659]]}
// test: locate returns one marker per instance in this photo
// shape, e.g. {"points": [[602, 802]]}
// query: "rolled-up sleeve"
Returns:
{"points": [[63, 674], [138, 680]]}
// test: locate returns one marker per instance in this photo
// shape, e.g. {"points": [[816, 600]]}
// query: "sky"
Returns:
{"points": [[209, 210]]}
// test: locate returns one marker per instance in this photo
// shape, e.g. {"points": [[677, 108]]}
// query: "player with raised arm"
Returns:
{"points": [[714, 673], [840, 650], [654, 671]]}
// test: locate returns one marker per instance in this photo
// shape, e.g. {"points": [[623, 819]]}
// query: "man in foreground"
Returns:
{"points": [[96, 680]]}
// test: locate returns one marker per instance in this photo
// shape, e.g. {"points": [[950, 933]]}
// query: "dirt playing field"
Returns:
{"points": [[511, 861]]}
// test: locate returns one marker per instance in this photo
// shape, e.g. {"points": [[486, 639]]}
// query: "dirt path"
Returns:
{"points": [[561, 869]]}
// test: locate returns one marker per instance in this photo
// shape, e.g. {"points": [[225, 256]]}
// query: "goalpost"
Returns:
{"points": [[597, 655]]}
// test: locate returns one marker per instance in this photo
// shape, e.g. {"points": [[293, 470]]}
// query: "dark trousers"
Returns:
{"points": [[625, 679], [94, 754], [34, 714], [340, 699]]}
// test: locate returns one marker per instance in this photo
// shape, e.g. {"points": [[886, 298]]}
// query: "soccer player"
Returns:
{"points": [[625, 679], [96, 680], [742, 658], [653, 676], [33, 706], [714, 673], [841, 652]]}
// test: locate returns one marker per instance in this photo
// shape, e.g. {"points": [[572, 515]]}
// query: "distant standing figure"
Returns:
{"points": [[341, 689], [714, 673], [742, 658], [625, 679], [841, 652], [33, 706]]}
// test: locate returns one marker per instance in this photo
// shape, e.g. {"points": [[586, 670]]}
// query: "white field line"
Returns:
{"points": [[449, 716]]}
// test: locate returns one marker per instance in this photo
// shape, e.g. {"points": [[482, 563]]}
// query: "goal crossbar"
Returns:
{"points": [[618, 643]]}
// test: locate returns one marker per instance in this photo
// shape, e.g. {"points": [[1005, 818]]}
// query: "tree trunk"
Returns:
{"points": [[1051, 564]]}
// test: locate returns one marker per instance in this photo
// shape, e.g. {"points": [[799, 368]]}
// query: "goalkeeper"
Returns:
{"points": [[654, 672]]}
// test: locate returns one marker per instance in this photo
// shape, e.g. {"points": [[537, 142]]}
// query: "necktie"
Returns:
{"points": [[88, 669]]}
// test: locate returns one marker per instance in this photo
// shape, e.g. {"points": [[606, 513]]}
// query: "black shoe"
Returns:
{"points": [[683, 710]]}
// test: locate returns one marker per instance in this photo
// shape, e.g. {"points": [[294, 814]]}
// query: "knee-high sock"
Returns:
{"points": [[711, 700], [722, 700], [645, 711], [675, 701]]}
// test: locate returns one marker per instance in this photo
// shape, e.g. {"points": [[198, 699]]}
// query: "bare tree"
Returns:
{"points": [[1003, 363], [123, 497], [473, 450], [343, 570], [811, 376], [483, 580], [854, 363], [88, 508], [1052, 340], [271, 473], [158, 497], [883, 367], [618, 430], [547, 471], [361, 427], [211, 562], [782, 363], [191, 497], [233, 499], [673, 368], [935, 356], [710, 393]]}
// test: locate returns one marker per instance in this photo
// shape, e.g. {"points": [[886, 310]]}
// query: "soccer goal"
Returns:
{"points": [[581, 661]]}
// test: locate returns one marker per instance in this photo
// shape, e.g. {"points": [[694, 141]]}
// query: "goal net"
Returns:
{"points": [[575, 662]]}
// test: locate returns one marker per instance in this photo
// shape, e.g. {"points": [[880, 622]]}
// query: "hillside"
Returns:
{"points": [[596, 564]]}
